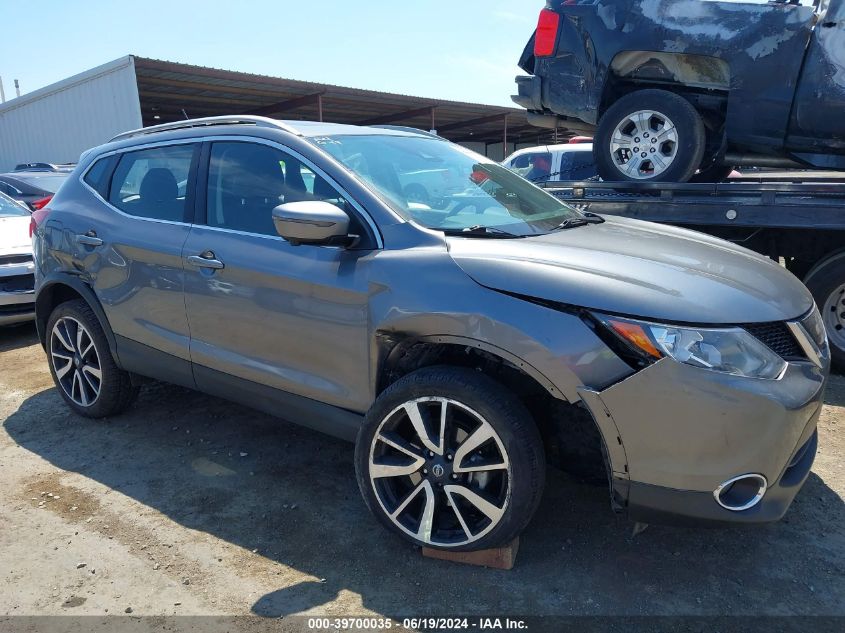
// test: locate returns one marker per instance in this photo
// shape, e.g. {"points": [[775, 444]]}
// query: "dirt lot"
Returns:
{"points": [[191, 505]]}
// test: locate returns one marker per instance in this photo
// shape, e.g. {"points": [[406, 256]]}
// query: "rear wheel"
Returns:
{"points": [[827, 284], [649, 135], [449, 459], [81, 363]]}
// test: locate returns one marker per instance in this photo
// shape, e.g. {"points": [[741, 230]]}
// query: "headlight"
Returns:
{"points": [[727, 350]]}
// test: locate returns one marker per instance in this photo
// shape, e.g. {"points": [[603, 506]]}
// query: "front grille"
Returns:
{"points": [[15, 259], [17, 283], [778, 338]]}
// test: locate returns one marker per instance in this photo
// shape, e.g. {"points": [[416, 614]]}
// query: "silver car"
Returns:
{"points": [[460, 347]]}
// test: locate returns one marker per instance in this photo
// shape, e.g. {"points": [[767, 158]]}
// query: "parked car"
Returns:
{"points": [[458, 346], [34, 188], [17, 271], [552, 163], [673, 89], [61, 167]]}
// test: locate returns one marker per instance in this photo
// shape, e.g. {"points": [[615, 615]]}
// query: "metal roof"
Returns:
{"points": [[170, 91]]}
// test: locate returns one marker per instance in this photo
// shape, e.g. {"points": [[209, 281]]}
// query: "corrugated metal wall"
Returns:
{"points": [[57, 123]]}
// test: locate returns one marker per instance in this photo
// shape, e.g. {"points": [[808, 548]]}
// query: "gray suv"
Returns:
{"points": [[286, 265]]}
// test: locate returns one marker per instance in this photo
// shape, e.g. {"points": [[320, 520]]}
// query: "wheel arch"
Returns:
{"points": [[60, 288], [571, 436], [703, 80], [400, 357]]}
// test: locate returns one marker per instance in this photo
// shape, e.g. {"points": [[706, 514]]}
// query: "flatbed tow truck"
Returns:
{"points": [[795, 218]]}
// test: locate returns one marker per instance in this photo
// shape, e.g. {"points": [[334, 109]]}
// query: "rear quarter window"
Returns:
{"points": [[99, 174]]}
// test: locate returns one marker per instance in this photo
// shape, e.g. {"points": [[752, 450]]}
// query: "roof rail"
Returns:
{"points": [[408, 128], [259, 121]]}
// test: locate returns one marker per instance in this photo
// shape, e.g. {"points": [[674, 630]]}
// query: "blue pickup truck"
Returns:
{"points": [[680, 90]]}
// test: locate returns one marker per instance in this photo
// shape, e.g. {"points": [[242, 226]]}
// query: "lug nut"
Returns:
{"points": [[644, 154], [449, 457], [652, 150], [431, 453], [454, 476], [636, 149], [425, 471]]}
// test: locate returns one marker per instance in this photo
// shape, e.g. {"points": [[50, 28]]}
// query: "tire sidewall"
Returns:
{"points": [[691, 135], [821, 281], [511, 421]]}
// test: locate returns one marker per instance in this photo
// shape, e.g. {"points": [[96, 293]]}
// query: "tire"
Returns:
{"points": [[508, 467], [680, 152], [75, 372], [826, 282]]}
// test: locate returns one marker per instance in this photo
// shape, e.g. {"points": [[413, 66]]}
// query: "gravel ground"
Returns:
{"points": [[187, 504]]}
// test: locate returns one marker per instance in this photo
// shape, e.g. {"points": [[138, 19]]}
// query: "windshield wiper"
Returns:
{"points": [[571, 223], [479, 230]]}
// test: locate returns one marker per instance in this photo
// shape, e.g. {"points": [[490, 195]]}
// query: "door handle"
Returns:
{"points": [[205, 260], [89, 239]]}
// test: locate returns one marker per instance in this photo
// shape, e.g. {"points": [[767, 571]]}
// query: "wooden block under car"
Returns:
{"points": [[497, 558]]}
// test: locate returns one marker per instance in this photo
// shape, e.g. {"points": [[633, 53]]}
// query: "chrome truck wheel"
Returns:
{"points": [[649, 135], [644, 144]]}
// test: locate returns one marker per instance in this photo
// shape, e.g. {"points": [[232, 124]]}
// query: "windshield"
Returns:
{"points": [[9, 207], [446, 187], [49, 183]]}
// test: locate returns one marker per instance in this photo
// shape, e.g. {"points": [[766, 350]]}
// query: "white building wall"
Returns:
{"points": [[57, 123]]}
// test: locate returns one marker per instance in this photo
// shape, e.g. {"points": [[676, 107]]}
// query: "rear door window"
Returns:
{"points": [[153, 183]]}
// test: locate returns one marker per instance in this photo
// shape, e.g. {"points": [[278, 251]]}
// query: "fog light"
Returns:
{"points": [[741, 493]]}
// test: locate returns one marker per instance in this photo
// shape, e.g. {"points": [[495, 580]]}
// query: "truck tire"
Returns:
{"points": [[649, 135], [826, 282], [448, 458]]}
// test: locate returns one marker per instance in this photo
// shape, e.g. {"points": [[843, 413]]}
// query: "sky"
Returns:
{"points": [[464, 50]]}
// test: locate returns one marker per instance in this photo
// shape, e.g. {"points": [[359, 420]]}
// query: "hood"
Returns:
{"points": [[14, 235], [641, 269]]}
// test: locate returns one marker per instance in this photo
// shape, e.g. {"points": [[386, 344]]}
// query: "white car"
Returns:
{"points": [[552, 163], [17, 270]]}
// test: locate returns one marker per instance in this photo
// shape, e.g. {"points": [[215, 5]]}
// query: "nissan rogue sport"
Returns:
{"points": [[285, 265]]}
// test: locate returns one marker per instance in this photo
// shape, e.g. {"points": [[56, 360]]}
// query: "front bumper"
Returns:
{"points": [[17, 307], [17, 293], [673, 433]]}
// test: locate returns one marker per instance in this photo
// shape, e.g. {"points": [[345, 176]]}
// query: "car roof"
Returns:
{"points": [[307, 129], [552, 149]]}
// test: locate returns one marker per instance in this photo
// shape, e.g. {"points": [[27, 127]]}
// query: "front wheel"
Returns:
{"points": [[447, 458], [649, 135]]}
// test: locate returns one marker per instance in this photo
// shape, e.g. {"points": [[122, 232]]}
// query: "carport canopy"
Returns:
{"points": [[172, 91]]}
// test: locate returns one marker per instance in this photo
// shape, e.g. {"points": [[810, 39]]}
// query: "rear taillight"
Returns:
{"points": [[37, 219], [41, 202], [546, 36]]}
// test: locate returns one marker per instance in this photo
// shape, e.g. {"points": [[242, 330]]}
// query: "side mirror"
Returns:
{"points": [[311, 222]]}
